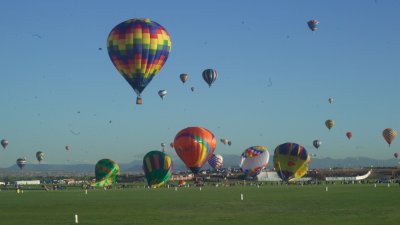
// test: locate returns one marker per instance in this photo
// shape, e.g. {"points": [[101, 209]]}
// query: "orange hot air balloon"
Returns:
{"points": [[389, 134], [329, 124], [195, 146], [349, 135]]}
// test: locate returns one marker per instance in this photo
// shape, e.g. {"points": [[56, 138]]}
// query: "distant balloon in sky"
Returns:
{"points": [[291, 161], [67, 147], [216, 161], [313, 24], [349, 135], [4, 143], [229, 143], [317, 143], [192, 88], [330, 100], [162, 93], [195, 146], [171, 145], [224, 141], [253, 160], [396, 155], [138, 48], [157, 167], [389, 135], [209, 76], [329, 123], [183, 77], [106, 172], [39, 156], [21, 162], [163, 146]]}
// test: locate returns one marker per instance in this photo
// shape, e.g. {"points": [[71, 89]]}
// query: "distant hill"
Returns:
{"points": [[229, 161]]}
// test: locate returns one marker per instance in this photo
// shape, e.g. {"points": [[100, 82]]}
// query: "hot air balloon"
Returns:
{"points": [[389, 134], [67, 147], [396, 155], [4, 143], [192, 88], [313, 25], [138, 48], [181, 183], [224, 141], [229, 143], [183, 77], [329, 124], [253, 160], [157, 167], [291, 161], [349, 135], [216, 161], [106, 172], [317, 143], [330, 100], [39, 156], [163, 147], [195, 146], [21, 162], [209, 76], [162, 93], [171, 145]]}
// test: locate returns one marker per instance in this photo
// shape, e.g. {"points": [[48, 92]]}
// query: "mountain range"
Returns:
{"points": [[229, 161]]}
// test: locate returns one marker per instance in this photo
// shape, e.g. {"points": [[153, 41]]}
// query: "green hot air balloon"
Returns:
{"points": [[106, 172], [157, 167]]}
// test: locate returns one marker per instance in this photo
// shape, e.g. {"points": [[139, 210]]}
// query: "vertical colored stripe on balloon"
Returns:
{"points": [[167, 162], [156, 161], [148, 165]]}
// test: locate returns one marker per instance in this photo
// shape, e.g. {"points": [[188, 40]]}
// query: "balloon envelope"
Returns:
{"points": [[349, 135], [106, 172], [253, 160], [291, 161], [329, 123], [317, 143], [183, 77], [4, 143], [209, 76], [162, 93], [39, 156], [216, 161], [396, 155], [157, 167], [389, 135], [313, 25], [195, 146], [21, 162], [138, 48], [330, 100]]}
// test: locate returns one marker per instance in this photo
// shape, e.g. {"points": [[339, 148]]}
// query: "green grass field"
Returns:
{"points": [[342, 204]]}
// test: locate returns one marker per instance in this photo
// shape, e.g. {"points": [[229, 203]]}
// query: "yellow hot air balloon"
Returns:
{"points": [[389, 134], [329, 124]]}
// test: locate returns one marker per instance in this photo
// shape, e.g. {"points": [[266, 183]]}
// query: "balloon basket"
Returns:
{"points": [[139, 101]]}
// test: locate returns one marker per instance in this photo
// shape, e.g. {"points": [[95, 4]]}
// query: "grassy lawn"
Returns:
{"points": [[342, 204]]}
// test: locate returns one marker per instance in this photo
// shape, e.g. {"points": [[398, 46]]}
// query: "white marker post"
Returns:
{"points": [[241, 197], [388, 186], [86, 192], [374, 185], [326, 188], [76, 218], [176, 189], [200, 188]]}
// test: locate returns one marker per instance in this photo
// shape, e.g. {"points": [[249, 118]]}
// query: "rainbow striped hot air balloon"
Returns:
{"points": [[253, 160], [138, 48], [195, 146], [291, 161], [157, 167], [106, 172]]}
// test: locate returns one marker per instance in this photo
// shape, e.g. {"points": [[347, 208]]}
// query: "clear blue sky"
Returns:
{"points": [[58, 88]]}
